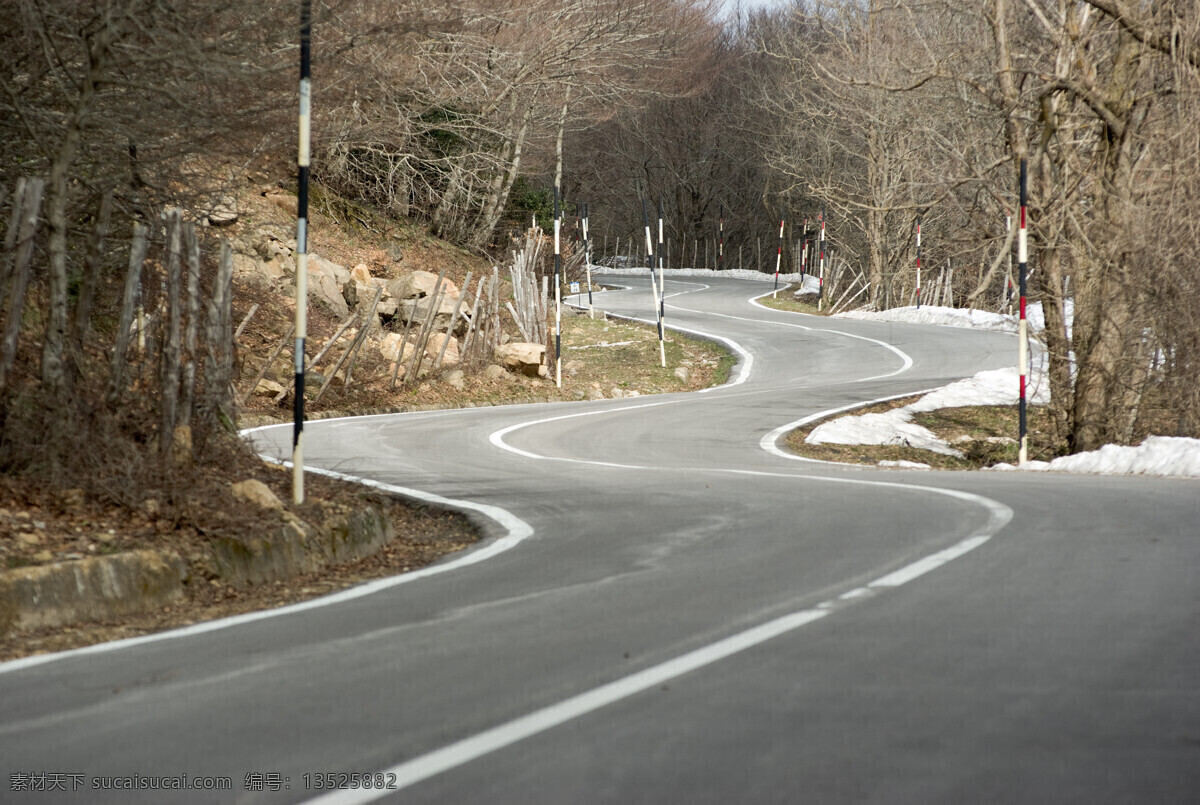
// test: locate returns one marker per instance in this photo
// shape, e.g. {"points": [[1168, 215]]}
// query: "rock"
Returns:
{"points": [[571, 367], [389, 347], [522, 358], [325, 282], [388, 307], [434, 346], [455, 378], [270, 248], [350, 294], [152, 507], [96, 588], [72, 497], [269, 388], [284, 201], [595, 394], [252, 270], [420, 284], [365, 287], [394, 253], [224, 212], [494, 372], [683, 374], [340, 274], [361, 274], [28, 539], [255, 491], [418, 308], [616, 393]]}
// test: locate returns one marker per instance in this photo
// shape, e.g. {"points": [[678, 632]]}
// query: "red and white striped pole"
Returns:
{"points": [[918, 263], [778, 256], [1022, 327], [804, 255], [302, 166]]}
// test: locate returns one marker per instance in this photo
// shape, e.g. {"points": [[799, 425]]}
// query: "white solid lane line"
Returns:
{"points": [[491, 740], [516, 531]]}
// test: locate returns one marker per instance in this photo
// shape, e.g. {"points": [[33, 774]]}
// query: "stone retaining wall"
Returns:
{"points": [[103, 587]]}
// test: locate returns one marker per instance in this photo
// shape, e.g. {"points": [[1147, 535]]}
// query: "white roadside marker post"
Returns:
{"points": [[557, 293], [1022, 329], [302, 168], [778, 257], [662, 290]]}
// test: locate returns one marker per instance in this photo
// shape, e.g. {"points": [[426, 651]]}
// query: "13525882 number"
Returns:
{"points": [[332, 780]]}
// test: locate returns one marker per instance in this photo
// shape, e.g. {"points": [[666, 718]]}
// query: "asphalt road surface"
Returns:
{"points": [[669, 609]]}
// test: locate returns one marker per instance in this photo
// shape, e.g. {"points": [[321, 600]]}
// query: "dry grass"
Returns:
{"points": [[985, 435], [787, 300]]}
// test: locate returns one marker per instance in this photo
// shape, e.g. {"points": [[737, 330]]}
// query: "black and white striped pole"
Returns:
{"points": [[557, 292], [662, 289], [302, 164], [1008, 279], [649, 242], [721, 238], [1022, 327], [821, 265], [778, 256], [587, 261], [918, 262], [650, 262]]}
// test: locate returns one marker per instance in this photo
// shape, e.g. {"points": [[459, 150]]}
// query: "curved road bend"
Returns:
{"points": [[668, 612]]}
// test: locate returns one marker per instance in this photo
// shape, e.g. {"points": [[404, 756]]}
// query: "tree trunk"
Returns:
{"points": [[81, 324], [54, 375], [20, 276], [133, 279], [502, 186]]}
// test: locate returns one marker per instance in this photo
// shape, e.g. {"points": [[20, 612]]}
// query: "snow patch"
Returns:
{"points": [[1170, 456]]}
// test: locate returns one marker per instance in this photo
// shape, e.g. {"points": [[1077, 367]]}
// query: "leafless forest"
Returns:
{"points": [[457, 114]]}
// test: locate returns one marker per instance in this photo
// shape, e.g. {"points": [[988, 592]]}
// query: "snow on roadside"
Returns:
{"points": [[960, 317], [895, 427], [1157, 455]]}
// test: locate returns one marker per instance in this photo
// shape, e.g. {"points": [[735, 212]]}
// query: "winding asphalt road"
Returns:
{"points": [[669, 609]]}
